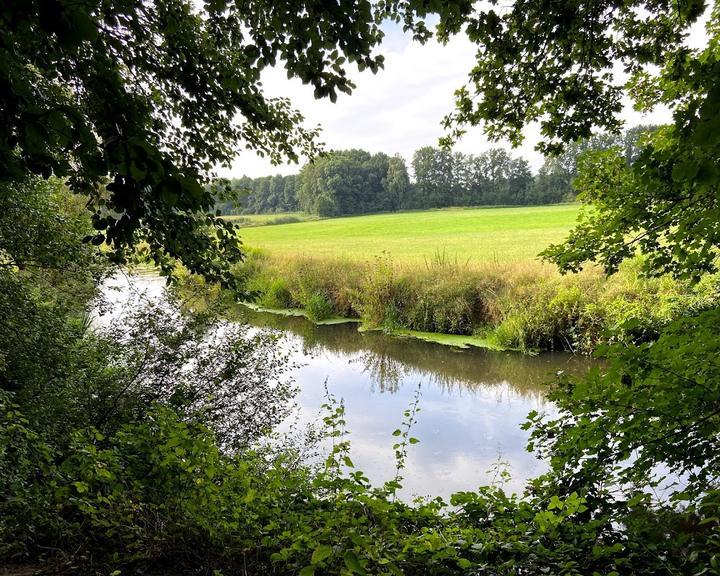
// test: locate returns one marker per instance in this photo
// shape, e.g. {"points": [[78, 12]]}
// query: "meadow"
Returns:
{"points": [[473, 274], [473, 235]]}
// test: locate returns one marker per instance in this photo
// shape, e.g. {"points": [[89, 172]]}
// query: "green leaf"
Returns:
{"points": [[35, 137], [684, 171], [307, 571], [353, 562], [81, 487], [321, 553]]}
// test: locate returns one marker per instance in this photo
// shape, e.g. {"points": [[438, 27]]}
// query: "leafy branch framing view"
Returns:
{"points": [[137, 452]]}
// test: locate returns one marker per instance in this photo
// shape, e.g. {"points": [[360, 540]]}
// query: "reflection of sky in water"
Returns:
{"points": [[472, 405], [462, 432]]}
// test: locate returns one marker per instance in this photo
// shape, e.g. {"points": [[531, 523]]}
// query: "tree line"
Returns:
{"points": [[358, 182]]}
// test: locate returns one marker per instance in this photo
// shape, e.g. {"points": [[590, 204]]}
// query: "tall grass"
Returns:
{"points": [[525, 305]]}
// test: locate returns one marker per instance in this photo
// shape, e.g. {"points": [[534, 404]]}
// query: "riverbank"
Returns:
{"points": [[523, 306], [454, 340]]}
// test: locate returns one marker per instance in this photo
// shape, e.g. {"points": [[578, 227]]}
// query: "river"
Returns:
{"points": [[472, 401]]}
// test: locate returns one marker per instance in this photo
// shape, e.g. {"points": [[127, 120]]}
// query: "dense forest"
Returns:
{"points": [[358, 182]]}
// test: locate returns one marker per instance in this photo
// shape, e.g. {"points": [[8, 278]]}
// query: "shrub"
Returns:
{"points": [[283, 220], [318, 306], [24, 458], [277, 295], [160, 497]]}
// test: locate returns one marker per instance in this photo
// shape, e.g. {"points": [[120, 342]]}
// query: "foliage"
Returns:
{"points": [[454, 179], [512, 306], [646, 414], [206, 370], [557, 176], [136, 103], [553, 63], [352, 182], [356, 182], [381, 298], [68, 374], [659, 418], [644, 208], [317, 305], [47, 276], [261, 195], [140, 452], [159, 496]]}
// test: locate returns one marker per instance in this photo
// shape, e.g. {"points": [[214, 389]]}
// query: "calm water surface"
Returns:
{"points": [[472, 401]]}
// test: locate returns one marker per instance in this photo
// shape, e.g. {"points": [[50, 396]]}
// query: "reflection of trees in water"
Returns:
{"points": [[391, 363], [385, 372], [388, 360]]}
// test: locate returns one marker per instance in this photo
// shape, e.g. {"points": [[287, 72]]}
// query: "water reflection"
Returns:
{"points": [[473, 400], [388, 361]]}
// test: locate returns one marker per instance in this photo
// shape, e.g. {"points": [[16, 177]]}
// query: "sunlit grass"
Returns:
{"points": [[461, 236]]}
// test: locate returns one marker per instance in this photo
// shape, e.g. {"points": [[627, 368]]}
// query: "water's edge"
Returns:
{"points": [[454, 340], [473, 399]]}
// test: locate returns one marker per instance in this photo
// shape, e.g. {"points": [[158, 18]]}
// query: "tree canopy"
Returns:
{"points": [[352, 182], [356, 182], [136, 102]]}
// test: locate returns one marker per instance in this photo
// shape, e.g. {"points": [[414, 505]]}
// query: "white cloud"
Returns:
{"points": [[400, 109], [395, 111]]}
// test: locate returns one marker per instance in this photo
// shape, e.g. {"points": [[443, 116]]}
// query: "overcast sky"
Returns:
{"points": [[400, 108]]}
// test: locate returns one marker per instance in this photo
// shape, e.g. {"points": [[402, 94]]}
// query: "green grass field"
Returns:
{"points": [[477, 235]]}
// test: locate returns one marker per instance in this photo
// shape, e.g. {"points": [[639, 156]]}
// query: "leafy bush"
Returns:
{"points": [[159, 496], [318, 306], [277, 295], [24, 458], [647, 379], [283, 220]]}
